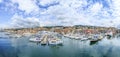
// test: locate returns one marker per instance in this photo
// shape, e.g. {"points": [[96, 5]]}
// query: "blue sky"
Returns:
{"points": [[4, 17], [30, 13]]}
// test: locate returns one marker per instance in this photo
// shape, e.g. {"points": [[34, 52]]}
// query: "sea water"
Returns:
{"points": [[21, 47]]}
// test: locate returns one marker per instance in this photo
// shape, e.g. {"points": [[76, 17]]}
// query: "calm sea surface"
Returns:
{"points": [[21, 47]]}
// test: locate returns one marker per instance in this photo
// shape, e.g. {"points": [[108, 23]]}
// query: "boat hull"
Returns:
{"points": [[34, 40], [56, 43]]}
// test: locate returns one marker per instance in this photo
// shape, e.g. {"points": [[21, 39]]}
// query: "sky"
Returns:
{"points": [[35, 13]]}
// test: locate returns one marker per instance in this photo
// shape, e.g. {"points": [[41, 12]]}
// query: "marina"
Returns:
{"points": [[22, 47], [59, 28], [45, 35], [61, 42]]}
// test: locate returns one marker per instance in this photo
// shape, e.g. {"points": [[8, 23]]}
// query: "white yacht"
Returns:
{"points": [[55, 41], [109, 33], [97, 37], [35, 39], [77, 37]]}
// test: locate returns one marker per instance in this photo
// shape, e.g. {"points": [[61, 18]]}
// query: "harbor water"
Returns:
{"points": [[21, 47]]}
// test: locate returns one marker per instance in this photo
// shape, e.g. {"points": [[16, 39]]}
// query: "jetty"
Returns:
{"points": [[44, 40]]}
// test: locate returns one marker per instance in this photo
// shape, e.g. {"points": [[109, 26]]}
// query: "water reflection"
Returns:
{"points": [[21, 47], [93, 43], [6, 50]]}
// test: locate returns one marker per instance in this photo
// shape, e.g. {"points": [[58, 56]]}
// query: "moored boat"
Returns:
{"points": [[109, 34], [96, 38], [83, 39], [35, 39], [55, 41]]}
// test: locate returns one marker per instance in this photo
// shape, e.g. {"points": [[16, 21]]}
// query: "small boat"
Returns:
{"points": [[73, 36], [83, 39], [35, 39], [55, 41], [109, 34], [90, 36], [100, 37], [95, 38], [77, 38], [67, 35]]}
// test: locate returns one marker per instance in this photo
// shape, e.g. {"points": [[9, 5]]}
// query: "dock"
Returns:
{"points": [[44, 41]]}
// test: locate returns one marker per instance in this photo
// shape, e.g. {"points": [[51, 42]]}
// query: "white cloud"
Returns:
{"points": [[68, 12], [2, 26], [19, 21], [96, 8], [0, 1], [26, 5], [46, 2], [116, 5]]}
